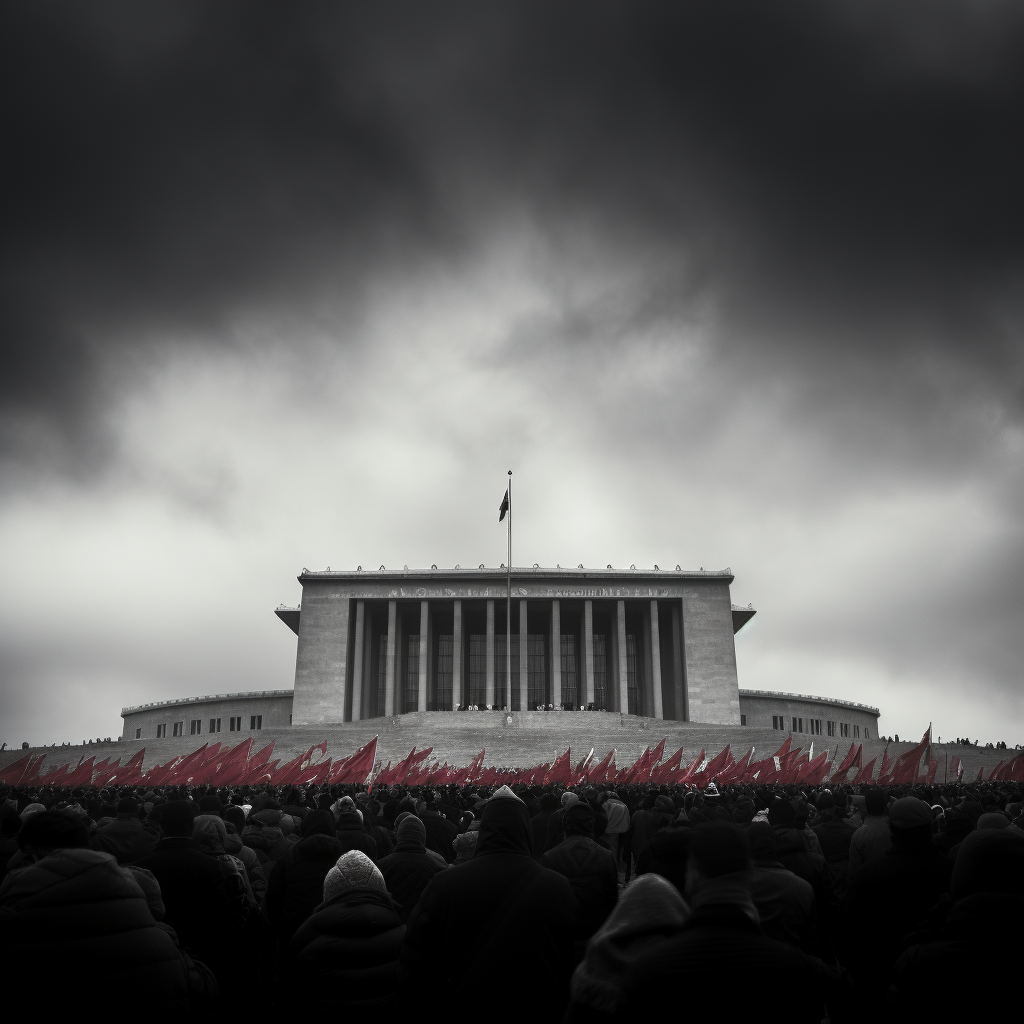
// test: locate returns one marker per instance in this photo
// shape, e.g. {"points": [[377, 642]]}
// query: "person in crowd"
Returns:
{"points": [[264, 835], [440, 831], [485, 913], [10, 825], [590, 870], [802, 811], [348, 949], [205, 906], [668, 852], [548, 804], [375, 826], [407, 871], [722, 940], [73, 908], [874, 838], [465, 846], [295, 885], [234, 824], [350, 832], [889, 895], [648, 911], [126, 837], [834, 836], [210, 836], [617, 813], [554, 834], [977, 936], [784, 901], [655, 813]]}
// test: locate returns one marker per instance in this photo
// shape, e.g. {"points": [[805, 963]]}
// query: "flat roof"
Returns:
{"points": [[813, 700], [177, 702], [482, 572]]}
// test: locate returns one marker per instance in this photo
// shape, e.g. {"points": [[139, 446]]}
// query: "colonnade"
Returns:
{"points": [[655, 671]]}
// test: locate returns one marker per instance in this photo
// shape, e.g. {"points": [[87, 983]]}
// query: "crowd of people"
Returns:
{"points": [[543, 903]]}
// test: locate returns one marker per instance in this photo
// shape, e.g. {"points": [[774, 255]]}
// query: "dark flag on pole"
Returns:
{"points": [[503, 508]]}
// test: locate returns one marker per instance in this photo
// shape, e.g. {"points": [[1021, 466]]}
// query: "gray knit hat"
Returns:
{"points": [[354, 870], [411, 829]]}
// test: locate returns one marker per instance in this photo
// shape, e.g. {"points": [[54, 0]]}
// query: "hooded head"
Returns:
{"points": [[411, 834], [665, 806], [990, 860], [568, 799], [354, 870], [781, 814], [465, 846], [505, 828], [209, 833], [579, 820], [318, 823]]}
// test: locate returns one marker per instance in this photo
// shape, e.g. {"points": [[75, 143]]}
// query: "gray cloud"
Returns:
{"points": [[738, 280]]}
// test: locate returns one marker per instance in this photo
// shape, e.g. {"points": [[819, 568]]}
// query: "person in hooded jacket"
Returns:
{"points": [[656, 811], [351, 834], [490, 911], [554, 834], [834, 835], [126, 837], [295, 885], [649, 910], [349, 947], [440, 831], [265, 837], [73, 908], [539, 823], [407, 871], [668, 853], [590, 870], [784, 901]]}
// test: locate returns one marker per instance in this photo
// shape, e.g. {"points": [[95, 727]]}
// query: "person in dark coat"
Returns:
{"points": [[126, 837], [721, 943], [657, 812], [489, 912], [667, 854], [890, 896], [440, 831], [407, 871], [349, 947], [554, 834], [295, 885], [784, 901], [352, 835], [539, 823], [263, 835], [835, 834], [590, 869], [205, 914], [74, 909]]}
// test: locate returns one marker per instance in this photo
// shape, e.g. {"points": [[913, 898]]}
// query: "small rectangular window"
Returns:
{"points": [[743, 719], [179, 729], [856, 731], [214, 725], [195, 727], [235, 723], [161, 731], [866, 735], [138, 734], [255, 721]]}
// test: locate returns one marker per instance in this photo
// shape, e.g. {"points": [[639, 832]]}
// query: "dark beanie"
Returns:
{"points": [[126, 805], [578, 820], [318, 823], [210, 804], [782, 814]]}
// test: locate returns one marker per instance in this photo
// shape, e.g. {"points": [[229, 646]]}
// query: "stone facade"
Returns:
{"points": [[209, 717], [650, 643], [807, 716]]}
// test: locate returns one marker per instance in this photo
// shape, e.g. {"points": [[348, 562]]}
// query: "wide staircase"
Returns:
{"points": [[519, 739]]}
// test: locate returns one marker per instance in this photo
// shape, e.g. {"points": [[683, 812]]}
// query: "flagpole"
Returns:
{"points": [[508, 604]]}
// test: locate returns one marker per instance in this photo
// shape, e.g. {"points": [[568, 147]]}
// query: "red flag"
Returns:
{"points": [[659, 752], [108, 774], [561, 771], [182, 770], [232, 765], [82, 775], [360, 764], [665, 772], [12, 773], [131, 771], [851, 760], [719, 762], [692, 768], [933, 767], [641, 769], [814, 771], [864, 775], [599, 772]]}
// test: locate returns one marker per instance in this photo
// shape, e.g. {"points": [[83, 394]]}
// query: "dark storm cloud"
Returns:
{"points": [[838, 183]]}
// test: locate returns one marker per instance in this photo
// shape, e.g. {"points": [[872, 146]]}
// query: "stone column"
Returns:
{"points": [[620, 631], [678, 688], [421, 696], [389, 676], [523, 690], [457, 655], [358, 672], [556, 655], [489, 672], [659, 707], [588, 651]]}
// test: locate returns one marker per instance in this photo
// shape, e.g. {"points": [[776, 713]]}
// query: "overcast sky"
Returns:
{"points": [[724, 284]]}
